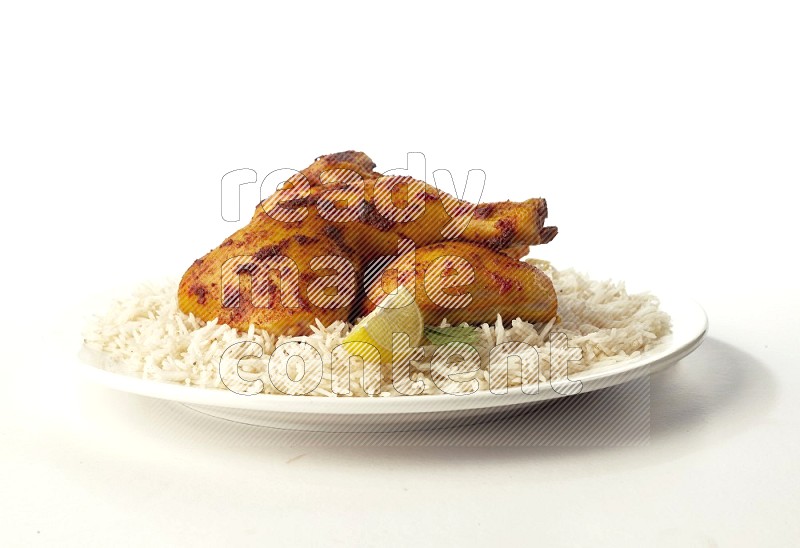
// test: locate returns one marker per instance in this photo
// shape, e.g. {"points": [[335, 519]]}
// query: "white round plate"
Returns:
{"points": [[384, 414]]}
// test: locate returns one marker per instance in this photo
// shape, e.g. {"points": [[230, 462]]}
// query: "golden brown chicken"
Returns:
{"points": [[312, 247], [466, 282]]}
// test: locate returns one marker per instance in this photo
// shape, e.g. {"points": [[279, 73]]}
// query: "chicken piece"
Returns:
{"points": [[374, 213], [466, 282], [333, 223], [495, 225], [270, 279]]}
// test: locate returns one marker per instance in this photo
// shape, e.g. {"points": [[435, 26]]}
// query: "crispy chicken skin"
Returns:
{"points": [[267, 272], [466, 282]]}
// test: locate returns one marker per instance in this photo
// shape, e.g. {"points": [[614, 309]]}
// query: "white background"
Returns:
{"points": [[664, 136]]}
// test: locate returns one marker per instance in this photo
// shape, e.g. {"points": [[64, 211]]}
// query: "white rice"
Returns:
{"points": [[148, 336]]}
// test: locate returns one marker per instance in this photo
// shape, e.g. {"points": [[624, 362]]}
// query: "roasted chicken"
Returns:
{"points": [[329, 232], [464, 282]]}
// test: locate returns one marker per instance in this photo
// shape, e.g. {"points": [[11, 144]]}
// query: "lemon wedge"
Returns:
{"points": [[397, 313]]}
